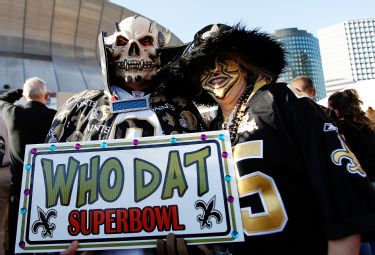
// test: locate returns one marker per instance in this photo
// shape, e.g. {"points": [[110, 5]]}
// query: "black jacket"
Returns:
{"points": [[299, 184], [87, 117], [26, 124], [362, 143]]}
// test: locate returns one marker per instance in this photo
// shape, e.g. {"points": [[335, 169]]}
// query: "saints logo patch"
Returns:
{"points": [[329, 127], [188, 120], [352, 164]]}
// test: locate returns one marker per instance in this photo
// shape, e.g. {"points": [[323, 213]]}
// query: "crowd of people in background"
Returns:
{"points": [[318, 163], [356, 128]]}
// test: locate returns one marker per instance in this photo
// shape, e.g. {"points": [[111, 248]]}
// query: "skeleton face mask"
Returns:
{"points": [[135, 48]]}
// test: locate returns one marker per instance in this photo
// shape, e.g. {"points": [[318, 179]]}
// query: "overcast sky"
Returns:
{"points": [[185, 17]]}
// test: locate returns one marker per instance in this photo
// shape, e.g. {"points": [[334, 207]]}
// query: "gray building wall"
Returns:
{"points": [[56, 40]]}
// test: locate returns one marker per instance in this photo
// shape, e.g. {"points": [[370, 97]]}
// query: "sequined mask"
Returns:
{"points": [[222, 79]]}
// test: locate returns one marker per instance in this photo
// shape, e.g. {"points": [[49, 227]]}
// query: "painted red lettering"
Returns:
{"points": [[135, 220], [162, 218], [122, 221], [148, 219], [74, 227], [86, 227], [132, 220], [109, 220], [98, 219], [175, 220]]}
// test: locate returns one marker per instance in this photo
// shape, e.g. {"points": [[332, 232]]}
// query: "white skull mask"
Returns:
{"points": [[135, 47]]}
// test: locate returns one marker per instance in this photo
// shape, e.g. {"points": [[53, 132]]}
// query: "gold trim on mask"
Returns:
{"points": [[220, 80]]}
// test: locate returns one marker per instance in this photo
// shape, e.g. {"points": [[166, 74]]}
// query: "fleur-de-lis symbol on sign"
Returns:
{"points": [[209, 212], [43, 222]]}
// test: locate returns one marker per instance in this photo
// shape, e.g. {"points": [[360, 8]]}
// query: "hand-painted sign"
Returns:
{"points": [[123, 194]]}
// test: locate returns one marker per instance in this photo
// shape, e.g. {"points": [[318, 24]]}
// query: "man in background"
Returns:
{"points": [[26, 124], [304, 85]]}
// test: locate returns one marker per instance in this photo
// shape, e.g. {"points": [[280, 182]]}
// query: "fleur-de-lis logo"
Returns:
{"points": [[353, 165], [169, 119], [43, 222], [209, 212]]}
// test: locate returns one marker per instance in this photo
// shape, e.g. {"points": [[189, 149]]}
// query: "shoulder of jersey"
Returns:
{"points": [[296, 92]]}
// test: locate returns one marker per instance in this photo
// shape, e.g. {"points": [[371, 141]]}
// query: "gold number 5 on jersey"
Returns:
{"points": [[274, 217]]}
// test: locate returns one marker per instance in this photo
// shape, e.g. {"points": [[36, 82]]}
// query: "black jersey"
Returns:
{"points": [[87, 116], [299, 184]]}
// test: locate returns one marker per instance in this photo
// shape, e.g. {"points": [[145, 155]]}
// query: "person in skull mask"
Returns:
{"points": [[132, 103], [302, 191]]}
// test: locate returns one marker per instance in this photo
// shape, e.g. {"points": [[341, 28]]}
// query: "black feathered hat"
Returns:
{"points": [[256, 48]]}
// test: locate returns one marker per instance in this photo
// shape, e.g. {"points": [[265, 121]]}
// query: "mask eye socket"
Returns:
{"points": [[229, 65], [121, 41], [221, 60], [147, 41]]}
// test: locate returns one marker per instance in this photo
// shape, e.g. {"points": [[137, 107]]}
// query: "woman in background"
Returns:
{"points": [[357, 129]]}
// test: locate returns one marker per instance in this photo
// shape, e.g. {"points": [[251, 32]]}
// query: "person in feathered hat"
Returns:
{"points": [[256, 52], [302, 191]]}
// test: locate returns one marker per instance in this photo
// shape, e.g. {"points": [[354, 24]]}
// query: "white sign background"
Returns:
{"points": [[154, 150]]}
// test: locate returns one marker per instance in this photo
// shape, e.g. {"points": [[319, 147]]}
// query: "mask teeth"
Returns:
{"points": [[149, 64], [121, 64], [134, 64]]}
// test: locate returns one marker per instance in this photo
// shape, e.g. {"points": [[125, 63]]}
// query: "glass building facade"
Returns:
{"points": [[303, 57], [348, 53]]}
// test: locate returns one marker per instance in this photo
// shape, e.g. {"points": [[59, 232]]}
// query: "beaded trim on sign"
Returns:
{"points": [[233, 121]]}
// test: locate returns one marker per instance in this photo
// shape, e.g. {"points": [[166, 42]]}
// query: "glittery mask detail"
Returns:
{"points": [[220, 80]]}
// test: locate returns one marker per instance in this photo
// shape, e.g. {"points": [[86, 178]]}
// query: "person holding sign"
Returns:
{"points": [[133, 103], [302, 191]]}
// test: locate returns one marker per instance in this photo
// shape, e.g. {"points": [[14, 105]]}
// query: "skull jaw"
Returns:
{"points": [[137, 86], [136, 80], [135, 75], [137, 69]]}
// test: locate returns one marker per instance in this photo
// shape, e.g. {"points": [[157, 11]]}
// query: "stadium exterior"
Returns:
{"points": [[56, 40]]}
